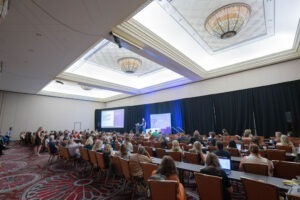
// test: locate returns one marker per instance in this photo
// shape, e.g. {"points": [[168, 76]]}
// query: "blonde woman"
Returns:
{"points": [[97, 146], [284, 141], [89, 143], [176, 146], [197, 148]]}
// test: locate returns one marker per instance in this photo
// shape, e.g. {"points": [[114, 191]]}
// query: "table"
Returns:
{"points": [[235, 175]]}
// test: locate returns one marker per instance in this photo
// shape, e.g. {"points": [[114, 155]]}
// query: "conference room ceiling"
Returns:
{"points": [[71, 48]]}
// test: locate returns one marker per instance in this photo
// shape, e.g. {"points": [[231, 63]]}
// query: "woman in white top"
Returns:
{"points": [[255, 157]]}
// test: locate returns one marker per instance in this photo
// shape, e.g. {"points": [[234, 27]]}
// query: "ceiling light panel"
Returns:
{"points": [[168, 25]]}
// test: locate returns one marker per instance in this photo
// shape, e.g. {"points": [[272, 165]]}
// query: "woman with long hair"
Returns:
{"points": [[167, 168], [213, 168]]}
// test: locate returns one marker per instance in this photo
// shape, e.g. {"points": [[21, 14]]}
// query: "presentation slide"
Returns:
{"points": [[112, 118], [162, 122]]}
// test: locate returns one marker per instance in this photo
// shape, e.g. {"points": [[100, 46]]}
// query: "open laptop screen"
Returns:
{"points": [[239, 146], [225, 163]]}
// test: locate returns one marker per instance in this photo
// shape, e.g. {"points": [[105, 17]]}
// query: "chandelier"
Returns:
{"points": [[227, 21], [3, 9], [129, 64]]}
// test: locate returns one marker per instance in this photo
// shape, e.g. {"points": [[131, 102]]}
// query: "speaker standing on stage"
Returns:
{"points": [[143, 125]]}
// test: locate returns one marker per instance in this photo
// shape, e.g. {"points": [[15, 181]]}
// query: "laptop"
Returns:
{"points": [[225, 165], [239, 146]]}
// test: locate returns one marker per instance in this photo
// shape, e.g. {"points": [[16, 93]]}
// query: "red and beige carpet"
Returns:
{"points": [[26, 176]]}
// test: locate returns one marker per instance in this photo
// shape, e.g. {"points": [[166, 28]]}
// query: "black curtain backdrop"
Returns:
{"points": [[271, 104], [263, 109], [199, 114], [234, 111]]}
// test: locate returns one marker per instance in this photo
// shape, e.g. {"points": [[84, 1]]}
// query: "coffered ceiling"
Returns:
{"points": [[71, 48]]}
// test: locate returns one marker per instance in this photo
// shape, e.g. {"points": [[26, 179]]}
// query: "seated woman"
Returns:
{"points": [[134, 162], [89, 143], [167, 168], [284, 141], [128, 144], [256, 140], [277, 137], [107, 152], [197, 148], [123, 153], [213, 168], [176, 146], [52, 146], [98, 146], [255, 157]]}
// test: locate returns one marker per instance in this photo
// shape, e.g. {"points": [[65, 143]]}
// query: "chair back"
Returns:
{"points": [[135, 148], [125, 169], [286, 170], [163, 189], [92, 155], [100, 161], [263, 153], [149, 150], [258, 190], [233, 152], [292, 197], [275, 154], [115, 162], [169, 145], [191, 158], [148, 168], [256, 168], [205, 183], [285, 148], [64, 153], [157, 145], [176, 156], [146, 143], [160, 153], [212, 148], [84, 154]]}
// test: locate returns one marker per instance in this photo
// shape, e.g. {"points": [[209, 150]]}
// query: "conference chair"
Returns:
{"points": [[258, 190], [93, 160], [212, 148], [126, 171], [209, 187], [287, 149], [256, 168], [163, 189], [263, 153], [286, 170], [191, 158], [292, 197], [177, 156], [116, 166], [157, 145], [233, 152], [65, 155], [101, 165], [276, 154], [160, 153], [135, 148], [147, 144], [169, 145], [149, 150], [148, 169]]}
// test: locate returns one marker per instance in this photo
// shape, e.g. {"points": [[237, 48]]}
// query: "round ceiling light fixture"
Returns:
{"points": [[228, 20], [129, 64]]}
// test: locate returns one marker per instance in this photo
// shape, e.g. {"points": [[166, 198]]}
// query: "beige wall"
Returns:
{"points": [[282, 72], [26, 112]]}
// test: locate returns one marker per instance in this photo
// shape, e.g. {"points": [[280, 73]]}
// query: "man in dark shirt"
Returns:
{"points": [[221, 152]]}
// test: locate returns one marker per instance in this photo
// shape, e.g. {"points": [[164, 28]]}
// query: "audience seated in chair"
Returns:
{"points": [[221, 152], [284, 141], [176, 146], [255, 157], [134, 162], [167, 168], [213, 168], [197, 148]]}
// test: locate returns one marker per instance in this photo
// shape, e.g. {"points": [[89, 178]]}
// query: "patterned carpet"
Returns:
{"points": [[26, 176]]}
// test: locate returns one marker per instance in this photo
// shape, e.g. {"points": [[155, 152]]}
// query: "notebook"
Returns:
{"points": [[239, 146], [225, 165]]}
